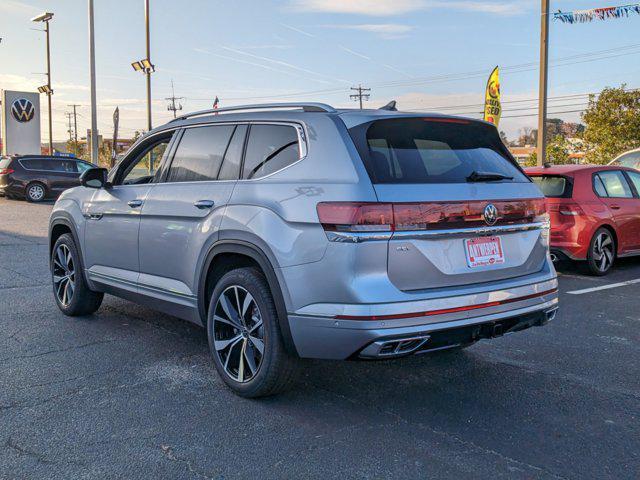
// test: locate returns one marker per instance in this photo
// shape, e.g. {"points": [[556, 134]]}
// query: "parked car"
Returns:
{"points": [[630, 159], [293, 231], [37, 177], [595, 212]]}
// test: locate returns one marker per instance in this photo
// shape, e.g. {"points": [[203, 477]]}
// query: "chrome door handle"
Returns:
{"points": [[134, 203], [204, 204]]}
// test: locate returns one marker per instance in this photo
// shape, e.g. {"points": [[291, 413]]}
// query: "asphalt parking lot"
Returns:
{"points": [[131, 393]]}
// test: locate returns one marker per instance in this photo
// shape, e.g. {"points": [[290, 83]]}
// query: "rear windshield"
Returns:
{"points": [[432, 150], [4, 162], [553, 186]]}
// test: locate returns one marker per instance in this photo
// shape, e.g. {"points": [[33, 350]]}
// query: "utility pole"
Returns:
{"points": [[75, 121], [146, 21], [70, 130], [542, 95], [114, 149], [360, 95], [172, 106], [94, 106]]}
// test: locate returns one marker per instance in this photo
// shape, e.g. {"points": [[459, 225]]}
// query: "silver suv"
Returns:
{"points": [[301, 231]]}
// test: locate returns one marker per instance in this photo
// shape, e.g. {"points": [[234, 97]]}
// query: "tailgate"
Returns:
{"points": [[438, 234]]}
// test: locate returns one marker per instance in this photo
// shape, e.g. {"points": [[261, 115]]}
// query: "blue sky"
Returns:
{"points": [[249, 51]]}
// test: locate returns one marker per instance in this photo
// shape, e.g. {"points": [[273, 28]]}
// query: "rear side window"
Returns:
{"points": [[553, 186], [270, 148], [615, 184], [430, 150], [199, 155], [37, 164], [635, 179]]}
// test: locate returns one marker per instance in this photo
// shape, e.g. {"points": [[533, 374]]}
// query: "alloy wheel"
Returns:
{"points": [[603, 251], [36, 192], [64, 275], [238, 333]]}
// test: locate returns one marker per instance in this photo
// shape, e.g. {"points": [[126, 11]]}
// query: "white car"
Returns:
{"points": [[629, 159]]}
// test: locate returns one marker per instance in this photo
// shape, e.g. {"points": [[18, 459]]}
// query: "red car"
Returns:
{"points": [[594, 210]]}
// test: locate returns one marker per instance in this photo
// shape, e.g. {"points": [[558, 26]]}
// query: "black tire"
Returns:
{"points": [[602, 252], [73, 297], [276, 370], [35, 192]]}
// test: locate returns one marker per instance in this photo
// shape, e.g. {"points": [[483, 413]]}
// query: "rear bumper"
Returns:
{"points": [[493, 314]]}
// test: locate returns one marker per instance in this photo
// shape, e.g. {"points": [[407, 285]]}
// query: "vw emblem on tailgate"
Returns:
{"points": [[22, 110], [490, 214]]}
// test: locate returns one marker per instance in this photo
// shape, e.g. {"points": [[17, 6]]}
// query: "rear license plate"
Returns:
{"points": [[484, 251]]}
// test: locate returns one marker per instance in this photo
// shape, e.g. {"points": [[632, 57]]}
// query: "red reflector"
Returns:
{"points": [[355, 217], [444, 311], [6, 171]]}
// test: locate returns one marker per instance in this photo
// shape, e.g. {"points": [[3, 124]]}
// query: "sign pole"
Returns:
{"points": [[544, 70], [94, 108]]}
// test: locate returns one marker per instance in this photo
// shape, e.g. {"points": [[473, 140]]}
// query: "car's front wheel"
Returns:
{"points": [[35, 192], [73, 296], [602, 252], [245, 338]]}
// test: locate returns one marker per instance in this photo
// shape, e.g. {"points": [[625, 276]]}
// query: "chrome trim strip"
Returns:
{"points": [[139, 285], [357, 237], [466, 232]]}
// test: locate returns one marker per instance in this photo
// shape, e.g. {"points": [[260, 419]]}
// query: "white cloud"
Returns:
{"points": [[12, 6], [388, 30], [400, 7]]}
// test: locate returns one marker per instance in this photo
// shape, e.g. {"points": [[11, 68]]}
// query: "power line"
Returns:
{"points": [[172, 106], [360, 95]]}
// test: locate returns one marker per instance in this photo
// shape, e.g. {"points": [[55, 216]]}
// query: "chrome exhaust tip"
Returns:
{"points": [[554, 257], [394, 347]]}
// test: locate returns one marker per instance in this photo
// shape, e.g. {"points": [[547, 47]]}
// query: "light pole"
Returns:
{"points": [[145, 66], [95, 158], [46, 17]]}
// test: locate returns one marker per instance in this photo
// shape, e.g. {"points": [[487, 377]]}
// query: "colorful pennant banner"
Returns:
{"points": [[606, 13]]}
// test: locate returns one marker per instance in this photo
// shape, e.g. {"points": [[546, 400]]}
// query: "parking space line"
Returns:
{"points": [[604, 287]]}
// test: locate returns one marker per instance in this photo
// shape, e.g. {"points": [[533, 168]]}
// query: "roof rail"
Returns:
{"points": [[307, 107]]}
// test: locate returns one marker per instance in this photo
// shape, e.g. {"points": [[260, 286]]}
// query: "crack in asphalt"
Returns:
{"points": [[50, 352], [167, 451], [42, 459]]}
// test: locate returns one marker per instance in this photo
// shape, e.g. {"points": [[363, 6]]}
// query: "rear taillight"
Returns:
{"points": [[6, 171], [388, 217], [355, 217]]}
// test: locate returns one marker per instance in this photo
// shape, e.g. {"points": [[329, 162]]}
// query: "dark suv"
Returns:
{"points": [[36, 177]]}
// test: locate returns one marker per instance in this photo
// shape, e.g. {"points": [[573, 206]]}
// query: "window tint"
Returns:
{"points": [[68, 166], [635, 179], [599, 187], [553, 186], [270, 148], [615, 184], [230, 169], [631, 160], [199, 154], [427, 150], [43, 164]]}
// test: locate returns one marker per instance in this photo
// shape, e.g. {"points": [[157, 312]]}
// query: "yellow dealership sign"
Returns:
{"points": [[492, 105]]}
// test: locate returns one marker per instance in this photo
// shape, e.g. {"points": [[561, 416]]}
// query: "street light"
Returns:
{"points": [[46, 89], [145, 66]]}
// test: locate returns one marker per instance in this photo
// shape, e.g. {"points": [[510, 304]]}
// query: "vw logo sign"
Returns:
{"points": [[490, 214], [22, 110]]}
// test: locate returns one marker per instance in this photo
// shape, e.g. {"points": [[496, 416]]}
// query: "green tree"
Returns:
{"points": [[612, 123], [557, 153]]}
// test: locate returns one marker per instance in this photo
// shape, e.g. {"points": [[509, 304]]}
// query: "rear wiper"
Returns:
{"points": [[487, 177]]}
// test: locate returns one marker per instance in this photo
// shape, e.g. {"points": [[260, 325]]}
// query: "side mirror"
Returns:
{"points": [[94, 178]]}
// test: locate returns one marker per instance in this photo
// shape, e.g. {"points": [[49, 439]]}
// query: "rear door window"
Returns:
{"points": [[230, 169], [199, 155], [270, 148], [432, 150], [615, 184], [635, 179], [598, 186], [553, 186]]}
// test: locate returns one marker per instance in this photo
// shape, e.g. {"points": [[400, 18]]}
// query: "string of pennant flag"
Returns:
{"points": [[605, 13]]}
